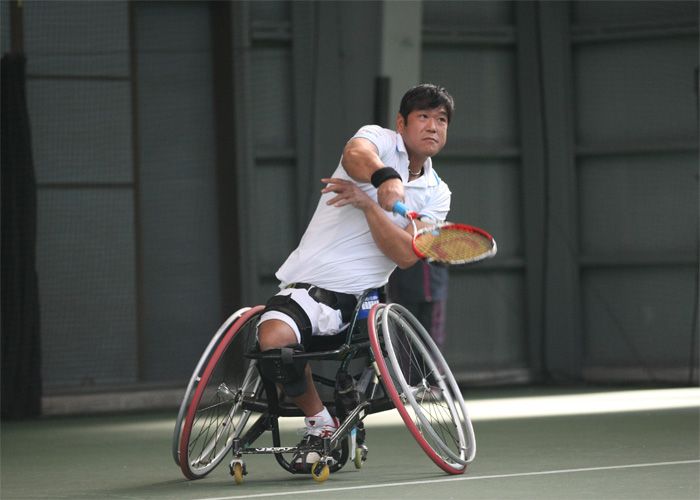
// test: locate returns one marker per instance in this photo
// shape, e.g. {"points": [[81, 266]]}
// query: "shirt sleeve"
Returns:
{"points": [[438, 204], [379, 137]]}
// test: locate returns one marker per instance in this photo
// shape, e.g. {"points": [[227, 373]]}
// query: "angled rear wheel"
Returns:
{"points": [[419, 382], [197, 376], [215, 414]]}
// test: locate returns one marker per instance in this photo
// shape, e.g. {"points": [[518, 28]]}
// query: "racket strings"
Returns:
{"points": [[451, 244]]}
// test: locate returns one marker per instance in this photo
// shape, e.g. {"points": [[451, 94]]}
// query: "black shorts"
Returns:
{"points": [[343, 302]]}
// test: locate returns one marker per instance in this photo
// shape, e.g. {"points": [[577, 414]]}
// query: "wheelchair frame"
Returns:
{"points": [[226, 389]]}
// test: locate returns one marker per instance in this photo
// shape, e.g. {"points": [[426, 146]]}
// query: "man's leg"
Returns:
{"points": [[275, 334]]}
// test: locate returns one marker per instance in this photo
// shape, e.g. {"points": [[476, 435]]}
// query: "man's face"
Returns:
{"points": [[425, 132]]}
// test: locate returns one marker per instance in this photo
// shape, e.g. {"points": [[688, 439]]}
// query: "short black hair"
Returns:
{"points": [[426, 96]]}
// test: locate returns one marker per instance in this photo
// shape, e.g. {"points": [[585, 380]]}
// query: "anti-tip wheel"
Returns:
{"points": [[359, 457]]}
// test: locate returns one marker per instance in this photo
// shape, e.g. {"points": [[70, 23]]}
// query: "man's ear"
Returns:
{"points": [[400, 123]]}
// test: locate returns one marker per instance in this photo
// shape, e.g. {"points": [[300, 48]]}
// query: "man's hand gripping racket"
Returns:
{"points": [[448, 244]]}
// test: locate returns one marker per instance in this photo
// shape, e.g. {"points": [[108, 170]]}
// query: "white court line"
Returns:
{"points": [[444, 480]]}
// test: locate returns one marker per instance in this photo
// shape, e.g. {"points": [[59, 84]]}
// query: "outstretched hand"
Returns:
{"points": [[347, 193]]}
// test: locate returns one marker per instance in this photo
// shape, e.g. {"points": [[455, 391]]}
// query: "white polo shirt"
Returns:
{"points": [[337, 251]]}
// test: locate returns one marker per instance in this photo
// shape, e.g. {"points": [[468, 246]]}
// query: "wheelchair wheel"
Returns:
{"points": [[419, 382], [215, 415], [196, 377]]}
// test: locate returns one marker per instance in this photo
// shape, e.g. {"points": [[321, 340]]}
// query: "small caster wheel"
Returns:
{"points": [[320, 472], [238, 473], [238, 470]]}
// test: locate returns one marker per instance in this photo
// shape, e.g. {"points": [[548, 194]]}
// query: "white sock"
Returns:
{"points": [[321, 418]]}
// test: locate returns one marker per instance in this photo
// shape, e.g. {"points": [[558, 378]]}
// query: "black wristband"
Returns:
{"points": [[384, 174]]}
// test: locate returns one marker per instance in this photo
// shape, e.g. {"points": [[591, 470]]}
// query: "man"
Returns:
{"points": [[354, 240]]}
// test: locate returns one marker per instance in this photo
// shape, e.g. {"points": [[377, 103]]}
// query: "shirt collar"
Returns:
{"points": [[427, 166]]}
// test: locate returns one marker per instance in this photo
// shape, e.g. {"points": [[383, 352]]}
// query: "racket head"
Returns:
{"points": [[453, 245]]}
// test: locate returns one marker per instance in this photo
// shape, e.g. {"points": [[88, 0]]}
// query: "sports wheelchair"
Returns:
{"points": [[386, 360]]}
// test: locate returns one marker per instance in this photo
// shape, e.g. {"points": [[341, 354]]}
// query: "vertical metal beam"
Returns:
{"points": [[305, 78], [226, 166], [693, 375], [244, 155], [531, 124], [136, 169], [16, 27], [563, 351]]}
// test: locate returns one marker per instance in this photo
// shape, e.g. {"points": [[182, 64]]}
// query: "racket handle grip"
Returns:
{"points": [[401, 209]]}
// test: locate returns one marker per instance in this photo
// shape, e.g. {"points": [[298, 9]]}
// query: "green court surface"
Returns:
{"points": [[531, 444]]}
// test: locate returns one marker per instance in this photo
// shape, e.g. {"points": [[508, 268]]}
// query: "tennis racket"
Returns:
{"points": [[448, 244]]}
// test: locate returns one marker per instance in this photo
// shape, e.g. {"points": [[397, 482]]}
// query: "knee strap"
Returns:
{"points": [[280, 366]]}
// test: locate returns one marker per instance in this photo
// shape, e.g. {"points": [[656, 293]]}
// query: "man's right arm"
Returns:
{"points": [[360, 161]]}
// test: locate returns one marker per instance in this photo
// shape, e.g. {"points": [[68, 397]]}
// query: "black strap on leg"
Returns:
{"points": [[280, 366]]}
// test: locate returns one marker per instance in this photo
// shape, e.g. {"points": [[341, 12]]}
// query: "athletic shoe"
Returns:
{"points": [[307, 453]]}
